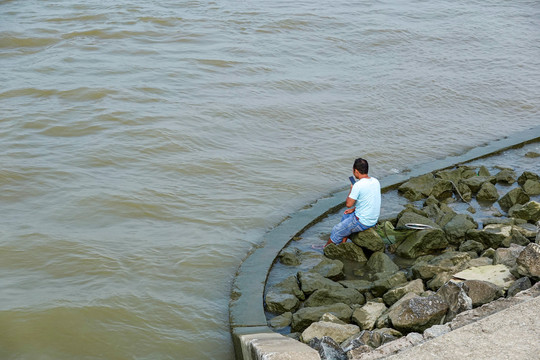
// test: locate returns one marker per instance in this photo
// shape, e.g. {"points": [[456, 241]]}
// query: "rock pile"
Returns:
{"points": [[454, 266]]}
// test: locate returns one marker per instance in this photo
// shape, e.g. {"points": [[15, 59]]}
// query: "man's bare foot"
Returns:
{"points": [[344, 240], [327, 243]]}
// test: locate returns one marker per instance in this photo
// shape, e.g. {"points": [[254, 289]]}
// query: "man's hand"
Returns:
{"points": [[348, 211]]}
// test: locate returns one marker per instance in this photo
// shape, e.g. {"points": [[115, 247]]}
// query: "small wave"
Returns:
{"points": [[217, 62], [106, 34], [73, 130]]}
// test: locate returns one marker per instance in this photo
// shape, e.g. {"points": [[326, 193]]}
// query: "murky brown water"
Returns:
{"points": [[146, 147]]}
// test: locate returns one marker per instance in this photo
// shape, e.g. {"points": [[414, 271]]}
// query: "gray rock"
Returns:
{"points": [[370, 338], [331, 318], [386, 281], [439, 280], [532, 187], [508, 256], [346, 251], [328, 268], [480, 261], [464, 192], [290, 256], [323, 297], [497, 274], [358, 352], [396, 293], [455, 296], [516, 238], [506, 176], [418, 187], [527, 175], [362, 286], [475, 183], [483, 171], [513, 197], [422, 242], [471, 245], [454, 175], [482, 292], [530, 211], [327, 348], [366, 316], [451, 262], [442, 189], [456, 228], [528, 230], [532, 154], [491, 236], [281, 321], [368, 239], [520, 284], [488, 192], [436, 331], [278, 303], [419, 313], [528, 262], [337, 332], [415, 338], [310, 282], [305, 316], [290, 286], [380, 262], [489, 253]]}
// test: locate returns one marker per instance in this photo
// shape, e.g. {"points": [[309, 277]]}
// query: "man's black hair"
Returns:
{"points": [[361, 165]]}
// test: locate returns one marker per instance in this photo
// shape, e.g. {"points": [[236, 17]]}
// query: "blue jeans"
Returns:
{"points": [[349, 224]]}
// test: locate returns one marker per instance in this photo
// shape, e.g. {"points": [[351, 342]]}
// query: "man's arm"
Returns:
{"points": [[350, 202]]}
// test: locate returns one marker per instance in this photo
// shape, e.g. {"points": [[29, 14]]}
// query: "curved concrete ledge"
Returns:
{"points": [[252, 338]]}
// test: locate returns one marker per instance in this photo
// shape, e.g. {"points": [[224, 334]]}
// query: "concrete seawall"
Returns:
{"points": [[252, 338]]}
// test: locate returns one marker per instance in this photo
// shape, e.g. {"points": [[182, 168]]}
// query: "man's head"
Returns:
{"points": [[361, 165]]}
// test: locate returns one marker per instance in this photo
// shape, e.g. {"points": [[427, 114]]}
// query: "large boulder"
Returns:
{"points": [[449, 262], [488, 192], [442, 189], [519, 285], [506, 176], [471, 245], [456, 228], [281, 321], [527, 175], [278, 303], [532, 187], [497, 274], [329, 268], [418, 187], [529, 211], [508, 256], [379, 262], [337, 332], [491, 236], [311, 281], [290, 256], [305, 316], [361, 286], [422, 242], [482, 292], [346, 251], [513, 197], [396, 293], [419, 313], [368, 239], [284, 296], [387, 281], [323, 297], [528, 262], [367, 315], [475, 183], [455, 296], [328, 348]]}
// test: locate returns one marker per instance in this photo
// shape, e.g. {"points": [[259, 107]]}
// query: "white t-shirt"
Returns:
{"points": [[367, 193]]}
